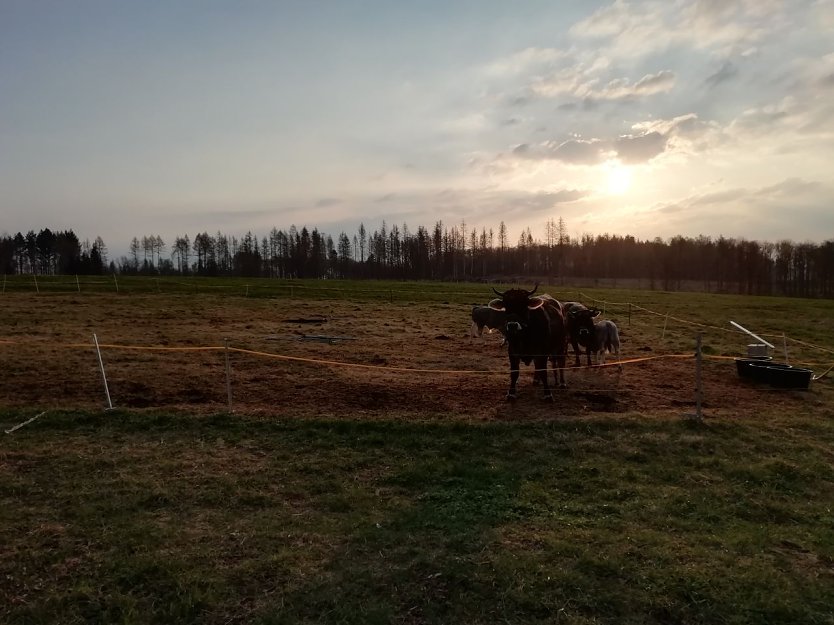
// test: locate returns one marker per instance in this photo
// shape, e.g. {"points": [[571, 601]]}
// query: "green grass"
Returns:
{"points": [[163, 518]]}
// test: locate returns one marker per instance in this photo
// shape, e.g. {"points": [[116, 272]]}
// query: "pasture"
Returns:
{"points": [[380, 476]]}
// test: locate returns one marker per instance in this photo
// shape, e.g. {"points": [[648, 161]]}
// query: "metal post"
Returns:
{"points": [[785, 346], [77, 283], [35, 277], [103, 375], [665, 321], [228, 375], [699, 391], [247, 290], [116, 283]]}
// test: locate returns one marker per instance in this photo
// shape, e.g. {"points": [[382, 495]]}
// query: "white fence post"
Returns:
{"points": [[103, 375], [35, 278], [228, 375]]}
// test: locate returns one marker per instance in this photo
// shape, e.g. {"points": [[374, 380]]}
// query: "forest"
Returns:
{"points": [[445, 252]]}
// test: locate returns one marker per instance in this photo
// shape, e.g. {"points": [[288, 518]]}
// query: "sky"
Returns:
{"points": [[650, 119]]}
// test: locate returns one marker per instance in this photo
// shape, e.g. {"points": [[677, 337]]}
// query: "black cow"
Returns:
{"points": [[486, 317], [581, 328], [535, 332]]}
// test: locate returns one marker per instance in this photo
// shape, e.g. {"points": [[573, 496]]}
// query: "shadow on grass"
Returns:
{"points": [[620, 520]]}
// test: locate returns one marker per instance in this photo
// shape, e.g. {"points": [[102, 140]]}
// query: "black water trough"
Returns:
{"points": [[782, 376], [744, 366], [763, 370]]}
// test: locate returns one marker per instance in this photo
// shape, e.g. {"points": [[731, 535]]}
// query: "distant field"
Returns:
{"points": [[346, 487]]}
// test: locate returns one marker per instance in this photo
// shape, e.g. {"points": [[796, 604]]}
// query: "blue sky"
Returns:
{"points": [[121, 119]]}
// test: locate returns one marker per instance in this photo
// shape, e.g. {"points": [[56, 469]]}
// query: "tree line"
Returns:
{"points": [[446, 252]]}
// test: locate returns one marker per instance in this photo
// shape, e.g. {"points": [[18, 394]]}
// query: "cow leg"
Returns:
{"points": [[559, 364], [588, 354], [515, 363], [540, 363], [576, 352]]}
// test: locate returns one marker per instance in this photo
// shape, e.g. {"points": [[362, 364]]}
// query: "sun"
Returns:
{"points": [[619, 178]]}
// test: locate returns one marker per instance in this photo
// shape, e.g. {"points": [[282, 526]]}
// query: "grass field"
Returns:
{"points": [[338, 494]]}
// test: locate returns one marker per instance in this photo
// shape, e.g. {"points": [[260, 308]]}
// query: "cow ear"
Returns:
{"points": [[535, 302], [497, 304], [595, 312]]}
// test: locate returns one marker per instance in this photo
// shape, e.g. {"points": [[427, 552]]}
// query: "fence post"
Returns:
{"points": [[116, 282], [4, 283], [665, 321], [103, 375], [77, 283], [35, 278], [228, 375], [699, 390]]}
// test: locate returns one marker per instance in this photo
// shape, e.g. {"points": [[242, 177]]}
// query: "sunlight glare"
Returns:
{"points": [[619, 179]]}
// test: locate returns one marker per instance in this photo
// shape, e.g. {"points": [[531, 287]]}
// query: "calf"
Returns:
{"points": [[581, 328], [489, 318], [607, 339]]}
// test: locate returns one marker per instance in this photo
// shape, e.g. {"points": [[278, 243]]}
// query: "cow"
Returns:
{"points": [[486, 317], [581, 327], [535, 331], [606, 339]]}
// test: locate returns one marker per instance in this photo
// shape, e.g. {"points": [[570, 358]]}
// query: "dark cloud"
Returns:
{"points": [[718, 197], [641, 148], [568, 195], [578, 151], [725, 73], [791, 187], [629, 149], [653, 83]]}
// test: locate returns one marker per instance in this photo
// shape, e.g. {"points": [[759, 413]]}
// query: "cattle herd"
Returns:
{"points": [[537, 329]]}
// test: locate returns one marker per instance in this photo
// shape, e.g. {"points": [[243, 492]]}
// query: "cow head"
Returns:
{"points": [[517, 303], [581, 321]]}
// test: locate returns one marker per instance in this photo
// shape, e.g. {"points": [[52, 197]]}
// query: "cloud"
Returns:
{"points": [[637, 29], [641, 148], [752, 213], [328, 201], [629, 149], [524, 61], [580, 83], [725, 73]]}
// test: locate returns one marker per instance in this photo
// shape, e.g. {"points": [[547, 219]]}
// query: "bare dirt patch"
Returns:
{"points": [[50, 362]]}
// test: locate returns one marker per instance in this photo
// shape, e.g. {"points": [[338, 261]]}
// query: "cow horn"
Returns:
{"points": [[498, 293], [534, 290]]}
